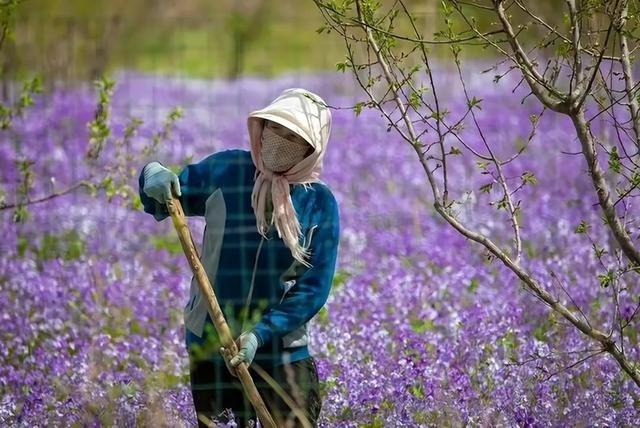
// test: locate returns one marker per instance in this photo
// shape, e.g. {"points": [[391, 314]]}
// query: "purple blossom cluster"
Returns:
{"points": [[421, 328]]}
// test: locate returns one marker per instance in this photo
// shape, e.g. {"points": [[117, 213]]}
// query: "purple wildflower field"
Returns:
{"points": [[421, 329]]}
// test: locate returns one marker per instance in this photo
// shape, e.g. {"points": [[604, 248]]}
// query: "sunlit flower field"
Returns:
{"points": [[421, 328]]}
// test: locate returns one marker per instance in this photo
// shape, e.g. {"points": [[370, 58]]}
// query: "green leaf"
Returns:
{"points": [[69, 245], [21, 214], [482, 165], [323, 316], [528, 177], [633, 334], [23, 245], [502, 203], [422, 325], [599, 250], [473, 285], [439, 115], [614, 160], [486, 188], [583, 227], [342, 66], [414, 100], [175, 114], [167, 242], [510, 343], [540, 332], [417, 391], [606, 279], [339, 278], [474, 102], [415, 69], [136, 203]]}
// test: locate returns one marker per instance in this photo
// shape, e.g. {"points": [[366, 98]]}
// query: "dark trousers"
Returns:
{"points": [[214, 389]]}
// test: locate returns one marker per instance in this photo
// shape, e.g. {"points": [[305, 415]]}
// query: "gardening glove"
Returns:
{"points": [[158, 182], [247, 344]]}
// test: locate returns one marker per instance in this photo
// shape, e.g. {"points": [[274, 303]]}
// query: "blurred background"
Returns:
{"points": [[80, 39]]}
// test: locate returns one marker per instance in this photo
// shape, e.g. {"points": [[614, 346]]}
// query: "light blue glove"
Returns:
{"points": [[248, 344], [158, 182]]}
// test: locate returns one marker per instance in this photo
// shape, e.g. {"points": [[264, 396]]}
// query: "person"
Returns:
{"points": [[270, 248]]}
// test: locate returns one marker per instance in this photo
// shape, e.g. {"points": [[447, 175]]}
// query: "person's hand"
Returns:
{"points": [[247, 344], [159, 181]]}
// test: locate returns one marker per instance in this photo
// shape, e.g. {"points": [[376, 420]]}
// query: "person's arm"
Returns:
{"points": [[310, 293], [197, 182]]}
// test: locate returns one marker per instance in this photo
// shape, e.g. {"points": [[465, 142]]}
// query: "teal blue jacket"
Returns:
{"points": [[286, 294]]}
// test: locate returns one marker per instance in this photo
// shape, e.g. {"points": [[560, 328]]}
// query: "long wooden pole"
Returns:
{"points": [[179, 221]]}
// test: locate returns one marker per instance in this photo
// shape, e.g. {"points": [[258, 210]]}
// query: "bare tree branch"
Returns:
{"points": [[634, 109], [543, 85]]}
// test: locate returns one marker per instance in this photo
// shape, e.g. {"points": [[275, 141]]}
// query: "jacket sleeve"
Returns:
{"points": [[310, 293], [197, 182]]}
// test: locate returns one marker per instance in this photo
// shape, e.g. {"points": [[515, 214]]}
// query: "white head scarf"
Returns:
{"points": [[306, 114]]}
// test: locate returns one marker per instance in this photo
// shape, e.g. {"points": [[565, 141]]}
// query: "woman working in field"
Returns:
{"points": [[270, 248]]}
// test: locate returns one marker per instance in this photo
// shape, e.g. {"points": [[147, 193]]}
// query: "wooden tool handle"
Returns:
{"points": [[179, 221]]}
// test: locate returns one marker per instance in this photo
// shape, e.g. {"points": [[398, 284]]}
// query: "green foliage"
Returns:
{"points": [[614, 160], [583, 227], [26, 180], [528, 178], [635, 179], [473, 285], [68, 245], [340, 278], [209, 346], [167, 127], [503, 203], [7, 19], [343, 65], [415, 97], [340, 6], [607, 278], [510, 343], [486, 188], [169, 242], [417, 391], [377, 422], [599, 251], [21, 214], [99, 129], [323, 316], [109, 187], [29, 89], [26, 99], [474, 102], [441, 115], [421, 326], [540, 332], [482, 165], [632, 334]]}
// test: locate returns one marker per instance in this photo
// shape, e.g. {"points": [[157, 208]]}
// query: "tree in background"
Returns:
{"points": [[577, 63], [245, 23], [78, 40]]}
